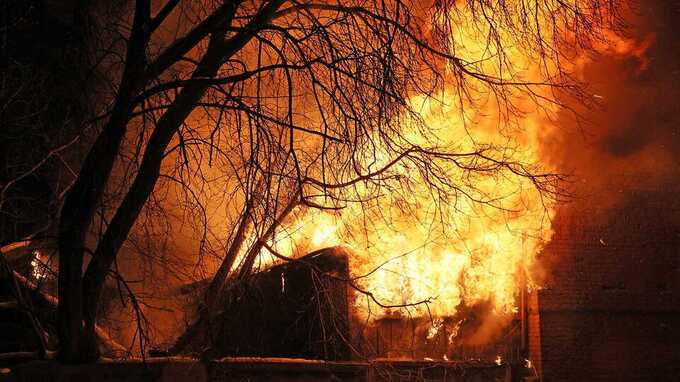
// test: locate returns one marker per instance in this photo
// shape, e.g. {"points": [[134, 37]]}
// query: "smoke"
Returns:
{"points": [[621, 154], [628, 141]]}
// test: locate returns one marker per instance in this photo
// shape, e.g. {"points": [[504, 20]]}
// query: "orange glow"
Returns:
{"points": [[409, 249], [466, 252]]}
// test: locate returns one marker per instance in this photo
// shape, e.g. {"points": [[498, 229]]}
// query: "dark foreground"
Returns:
{"points": [[257, 369]]}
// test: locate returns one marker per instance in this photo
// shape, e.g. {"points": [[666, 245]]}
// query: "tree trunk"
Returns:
{"points": [[259, 244], [81, 201], [81, 293], [142, 187], [217, 283], [149, 171]]}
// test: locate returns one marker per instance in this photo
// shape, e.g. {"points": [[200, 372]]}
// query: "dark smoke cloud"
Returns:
{"points": [[625, 158]]}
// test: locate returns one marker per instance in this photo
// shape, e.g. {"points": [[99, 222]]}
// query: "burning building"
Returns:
{"points": [[582, 290], [303, 310], [462, 191]]}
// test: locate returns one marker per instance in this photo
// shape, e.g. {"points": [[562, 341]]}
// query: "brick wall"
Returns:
{"points": [[534, 332], [611, 306]]}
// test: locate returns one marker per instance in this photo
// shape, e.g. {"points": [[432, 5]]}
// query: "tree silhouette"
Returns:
{"points": [[297, 104]]}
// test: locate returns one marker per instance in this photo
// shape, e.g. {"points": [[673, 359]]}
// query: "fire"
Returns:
{"points": [[38, 268], [424, 258], [433, 261]]}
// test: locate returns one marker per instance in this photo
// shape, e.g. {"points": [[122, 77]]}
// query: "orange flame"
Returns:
{"points": [[439, 257], [470, 252]]}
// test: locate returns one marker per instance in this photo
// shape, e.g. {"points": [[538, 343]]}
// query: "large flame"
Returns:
{"points": [[432, 259], [425, 258]]}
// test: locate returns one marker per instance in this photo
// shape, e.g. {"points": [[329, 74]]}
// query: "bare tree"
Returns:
{"points": [[297, 104]]}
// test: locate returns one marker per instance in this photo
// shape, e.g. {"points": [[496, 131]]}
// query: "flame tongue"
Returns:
{"points": [[430, 256], [424, 258]]}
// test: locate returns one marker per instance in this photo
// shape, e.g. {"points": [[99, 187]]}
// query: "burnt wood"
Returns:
{"points": [[298, 309]]}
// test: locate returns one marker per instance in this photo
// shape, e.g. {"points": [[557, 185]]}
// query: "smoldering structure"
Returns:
{"points": [[293, 310], [303, 309]]}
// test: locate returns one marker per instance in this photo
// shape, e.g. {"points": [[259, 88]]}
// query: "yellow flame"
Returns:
{"points": [[464, 252], [477, 254]]}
